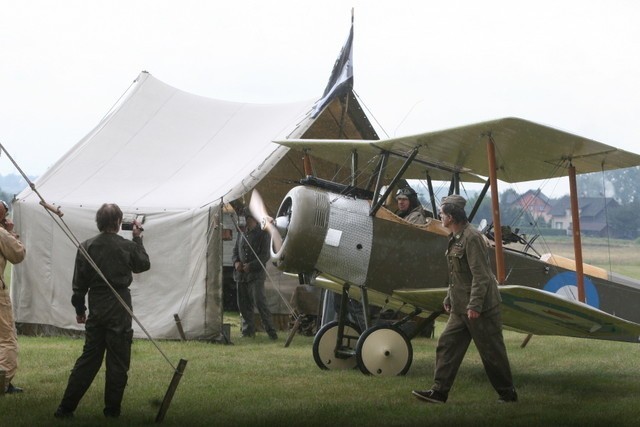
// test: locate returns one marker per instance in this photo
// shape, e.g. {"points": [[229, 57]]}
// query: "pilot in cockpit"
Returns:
{"points": [[409, 207]]}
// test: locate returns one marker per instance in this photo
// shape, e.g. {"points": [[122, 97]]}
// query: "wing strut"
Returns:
{"points": [[575, 228], [495, 205], [306, 162], [354, 168], [454, 186], [431, 194], [479, 201], [382, 166]]}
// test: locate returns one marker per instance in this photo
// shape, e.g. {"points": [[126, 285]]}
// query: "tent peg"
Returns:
{"points": [[176, 317], [177, 376]]}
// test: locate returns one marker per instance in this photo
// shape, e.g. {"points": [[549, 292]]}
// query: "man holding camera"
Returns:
{"points": [[12, 250], [108, 327]]}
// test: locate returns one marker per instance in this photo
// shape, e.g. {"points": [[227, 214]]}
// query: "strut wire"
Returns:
{"points": [[264, 267]]}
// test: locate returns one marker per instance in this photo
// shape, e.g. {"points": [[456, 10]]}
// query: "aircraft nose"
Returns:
{"points": [[302, 221], [282, 224]]}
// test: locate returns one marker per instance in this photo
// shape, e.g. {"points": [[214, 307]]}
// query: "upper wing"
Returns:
{"points": [[547, 152], [539, 312], [339, 152]]}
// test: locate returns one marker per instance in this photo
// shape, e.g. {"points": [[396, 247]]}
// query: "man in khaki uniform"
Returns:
{"points": [[473, 304], [12, 250]]}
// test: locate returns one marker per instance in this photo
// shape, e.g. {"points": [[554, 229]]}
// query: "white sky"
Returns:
{"points": [[419, 65]]}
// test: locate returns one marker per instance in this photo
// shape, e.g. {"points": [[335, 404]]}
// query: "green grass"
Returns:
{"points": [[256, 382], [602, 252]]}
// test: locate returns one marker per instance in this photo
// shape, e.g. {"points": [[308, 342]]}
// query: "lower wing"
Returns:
{"points": [[534, 311]]}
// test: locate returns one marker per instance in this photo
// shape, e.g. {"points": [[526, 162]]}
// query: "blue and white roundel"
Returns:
{"points": [[565, 285]]}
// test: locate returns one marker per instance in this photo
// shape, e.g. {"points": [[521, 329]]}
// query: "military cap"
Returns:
{"points": [[454, 200]]}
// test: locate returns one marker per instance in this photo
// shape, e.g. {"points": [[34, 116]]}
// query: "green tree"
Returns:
{"points": [[624, 222], [626, 183], [484, 211], [6, 196], [621, 184]]}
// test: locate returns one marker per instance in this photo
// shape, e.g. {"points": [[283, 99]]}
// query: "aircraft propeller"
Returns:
{"points": [[259, 211]]}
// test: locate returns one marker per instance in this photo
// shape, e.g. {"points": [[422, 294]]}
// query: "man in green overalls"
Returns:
{"points": [[473, 304], [108, 326]]}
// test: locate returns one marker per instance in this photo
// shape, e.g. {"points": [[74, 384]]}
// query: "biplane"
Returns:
{"points": [[343, 237]]}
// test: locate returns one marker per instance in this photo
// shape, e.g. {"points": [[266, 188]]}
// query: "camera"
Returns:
{"points": [[128, 219]]}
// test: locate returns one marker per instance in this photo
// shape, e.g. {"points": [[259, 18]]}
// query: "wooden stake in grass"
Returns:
{"points": [[293, 331], [179, 326], [177, 376]]}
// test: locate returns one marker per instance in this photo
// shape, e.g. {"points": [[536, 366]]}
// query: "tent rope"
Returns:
{"points": [[192, 280], [69, 233], [369, 112]]}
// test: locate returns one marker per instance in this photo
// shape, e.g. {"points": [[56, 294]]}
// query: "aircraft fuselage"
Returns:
{"points": [[335, 235]]}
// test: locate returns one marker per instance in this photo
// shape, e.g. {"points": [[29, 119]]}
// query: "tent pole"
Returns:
{"points": [[345, 108]]}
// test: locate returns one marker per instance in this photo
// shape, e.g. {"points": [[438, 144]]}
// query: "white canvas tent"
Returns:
{"points": [[177, 158]]}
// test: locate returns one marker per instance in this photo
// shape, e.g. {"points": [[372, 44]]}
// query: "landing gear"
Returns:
{"points": [[329, 353], [384, 351], [381, 350]]}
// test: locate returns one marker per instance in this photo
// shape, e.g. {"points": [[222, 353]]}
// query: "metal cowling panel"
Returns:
{"points": [[321, 211], [347, 247]]}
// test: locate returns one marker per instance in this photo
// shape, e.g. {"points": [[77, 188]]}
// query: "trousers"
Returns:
{"points": [[8, 338], [486, 333], [252, 294], [115, 339]]}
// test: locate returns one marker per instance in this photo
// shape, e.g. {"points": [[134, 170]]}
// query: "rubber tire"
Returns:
{"points": [[324, 345], [384, 350]]}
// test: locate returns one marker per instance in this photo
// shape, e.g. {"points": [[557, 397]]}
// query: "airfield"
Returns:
{"points": [[561, 381]]}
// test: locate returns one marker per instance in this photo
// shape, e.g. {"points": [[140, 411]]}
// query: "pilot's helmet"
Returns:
{"points": [[407, 193]]}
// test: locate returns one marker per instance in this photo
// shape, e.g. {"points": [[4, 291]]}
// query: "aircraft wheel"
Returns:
{"points": [[324, 345], [384, 351]]}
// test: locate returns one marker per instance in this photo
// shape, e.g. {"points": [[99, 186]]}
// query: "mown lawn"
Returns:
{"points": [[256, 382], [561, 381]]}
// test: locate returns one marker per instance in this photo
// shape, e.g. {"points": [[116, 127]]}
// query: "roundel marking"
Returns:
{"points": [[565, 285]]}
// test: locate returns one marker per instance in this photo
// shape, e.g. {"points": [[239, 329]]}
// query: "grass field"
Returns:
{"points": [[619, 256], [257, 382]]}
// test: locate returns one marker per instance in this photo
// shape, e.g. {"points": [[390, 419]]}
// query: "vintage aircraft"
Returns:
{"points": [[344, 237]]}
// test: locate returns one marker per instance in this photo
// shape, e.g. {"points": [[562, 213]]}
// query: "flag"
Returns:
{"points": [[341, 79]]}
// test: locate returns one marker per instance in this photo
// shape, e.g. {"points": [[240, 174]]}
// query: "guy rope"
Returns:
{"points": [[57, 218]]}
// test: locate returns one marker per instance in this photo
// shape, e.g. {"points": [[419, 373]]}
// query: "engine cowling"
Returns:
{"points": [[302, 221]]}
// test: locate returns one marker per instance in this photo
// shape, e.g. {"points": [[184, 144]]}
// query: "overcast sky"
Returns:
{"points": [[419, 65]]}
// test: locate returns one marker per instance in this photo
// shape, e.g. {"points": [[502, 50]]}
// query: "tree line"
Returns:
{"points": [[622, 219]]}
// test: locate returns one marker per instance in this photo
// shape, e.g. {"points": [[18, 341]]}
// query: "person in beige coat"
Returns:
{"points": [[473, 304], [13, 251]]}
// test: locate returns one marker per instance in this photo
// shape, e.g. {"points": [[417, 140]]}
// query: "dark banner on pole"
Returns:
{"points": [[341, 79]]}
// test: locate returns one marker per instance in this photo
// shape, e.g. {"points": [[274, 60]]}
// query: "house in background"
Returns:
{"points": [[593, 215], [535, 203]]}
